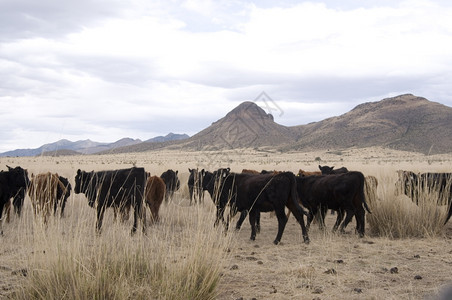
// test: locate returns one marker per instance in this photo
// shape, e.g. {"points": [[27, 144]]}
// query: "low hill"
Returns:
{"points": [[405, 122]]}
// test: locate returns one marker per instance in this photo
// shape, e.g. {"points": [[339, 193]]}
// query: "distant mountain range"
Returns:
{"points": [[65, 147], [405, 122]]}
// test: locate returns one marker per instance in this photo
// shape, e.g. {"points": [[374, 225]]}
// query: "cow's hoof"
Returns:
{"points": [[306, 240], [253, 238], [276, 242]]}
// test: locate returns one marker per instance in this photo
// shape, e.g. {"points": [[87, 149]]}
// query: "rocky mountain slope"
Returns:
{"points": [[405, 122]]}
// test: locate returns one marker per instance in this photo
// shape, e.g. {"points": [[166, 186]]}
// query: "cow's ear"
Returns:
{"points": [[78, 172], [177, 171], [229, 169], [189, 170]]}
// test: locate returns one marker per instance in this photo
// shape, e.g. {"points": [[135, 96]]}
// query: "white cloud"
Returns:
{"points": [[95, 71]]}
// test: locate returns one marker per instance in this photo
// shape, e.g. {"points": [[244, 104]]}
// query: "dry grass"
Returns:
{"points": [[397, 216], [67, 260], [185, 257]]}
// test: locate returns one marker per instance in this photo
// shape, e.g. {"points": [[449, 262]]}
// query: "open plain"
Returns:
{"points": [[332, 266]]}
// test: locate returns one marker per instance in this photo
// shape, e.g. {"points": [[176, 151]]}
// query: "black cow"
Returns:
{"points": [[195, 185], [326, 170], [12, 183], [207, 178], [341, 192], [172, 183], [413, 185], [118, 188], [62, 195], [257, 193]]}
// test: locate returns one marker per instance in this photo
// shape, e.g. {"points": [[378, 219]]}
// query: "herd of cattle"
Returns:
{"points": [[249, 192]]}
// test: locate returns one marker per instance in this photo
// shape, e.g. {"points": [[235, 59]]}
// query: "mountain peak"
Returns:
{"points": [[248, 110]]}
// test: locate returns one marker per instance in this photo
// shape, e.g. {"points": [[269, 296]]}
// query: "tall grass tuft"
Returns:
{"points": [[179, 258], [397, 216]]}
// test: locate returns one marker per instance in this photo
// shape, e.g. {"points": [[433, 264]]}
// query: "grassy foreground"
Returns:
{"points": [[179, 258]]}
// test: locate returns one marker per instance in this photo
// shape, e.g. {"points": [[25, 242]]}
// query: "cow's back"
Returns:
{"points": [[120, 185]]}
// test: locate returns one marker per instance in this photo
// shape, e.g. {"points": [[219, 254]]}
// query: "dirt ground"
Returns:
{"points": [[335, 266], [332, 266]]}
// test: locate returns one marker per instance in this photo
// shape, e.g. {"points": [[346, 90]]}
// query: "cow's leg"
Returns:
{"points": [[349, 215], [339, 218], [100, 217], [138, 213], [202, 195], [232, 213], [63, 205], [258, 222], [7, 209], [282, 221], [190, 190], [2, 204], [360, 221], [310, 217], [252, 219], [242, 218], [220, 216], [299, 216], [18, 202], [321, 216]]}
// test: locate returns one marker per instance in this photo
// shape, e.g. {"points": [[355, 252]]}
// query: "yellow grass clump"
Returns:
{"points": [[395, 215], [179, 258]]}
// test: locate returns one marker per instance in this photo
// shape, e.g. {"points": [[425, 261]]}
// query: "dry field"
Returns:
{"points": [[185, 257]]}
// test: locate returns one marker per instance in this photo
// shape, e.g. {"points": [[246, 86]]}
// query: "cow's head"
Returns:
{"points": [[82, 180], [325, 169], [19, 178]]}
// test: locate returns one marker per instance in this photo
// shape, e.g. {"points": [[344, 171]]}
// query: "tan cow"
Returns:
{"points": [[43, 193], [370, 188]]}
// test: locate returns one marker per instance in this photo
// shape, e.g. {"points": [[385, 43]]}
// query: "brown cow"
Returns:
{"points": [[248, 171], [308, 173], [43, 193], [155, 192]]}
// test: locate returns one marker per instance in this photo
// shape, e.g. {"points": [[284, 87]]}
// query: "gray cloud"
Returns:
{"points": [[108, 69]]}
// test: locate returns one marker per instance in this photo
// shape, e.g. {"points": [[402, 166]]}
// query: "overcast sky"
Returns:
{"points": [[108, 69]]}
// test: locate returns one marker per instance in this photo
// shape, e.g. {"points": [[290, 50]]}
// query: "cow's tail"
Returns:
{"points": [[361, 191], [294, 194]]}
